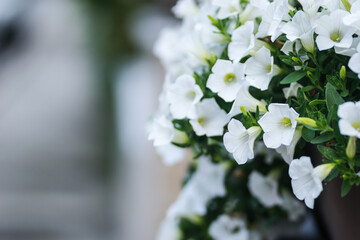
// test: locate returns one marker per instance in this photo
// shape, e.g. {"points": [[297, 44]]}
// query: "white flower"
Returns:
{"points": [[226, 79], [185, 8], [210, 119], [170, 154], [300, 28], [294, 207], [240, 141], [353, 19], [245, 100], [242, 41], [169, 230], [292, 90], [265, 189], [227, 228], [272, 19], [206, 183], [311, 7], [306, 181], [354, 62], [161, 131], [183, 95], [227, 8], [350, 51], [278, 125], [287, 152], [260, 69], [333, 32], [349, 114]]}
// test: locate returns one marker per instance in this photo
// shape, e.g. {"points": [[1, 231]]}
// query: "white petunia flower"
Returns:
{"points": [[287, 152], [161, 131], [294, 207], [300, 28], [272, 19], [228, 8], [170, 154], [240, 141], [260, 69], [227, 228], [278, 125], [306, 180], [265, 189], [350, 51], [242, 41], [311, 7], [292, 90], [169, 229], [226, 79], [206, 183], [210, 119], [333, 32], [245, 100], [354, 62], [353, 19], [349, 123], [183, 95], [185, 8]]}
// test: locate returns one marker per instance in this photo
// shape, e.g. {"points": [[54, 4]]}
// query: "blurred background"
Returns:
{"points": [[78, 83]]}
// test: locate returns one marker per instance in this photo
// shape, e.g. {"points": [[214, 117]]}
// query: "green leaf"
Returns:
{"points": [[307, 134], [287, 60], [332, 96], [317, 102], [323, 138], [329, 153], [293, 77], [345, 187]]}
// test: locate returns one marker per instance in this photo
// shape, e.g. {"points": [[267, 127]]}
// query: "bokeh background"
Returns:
{"points": [[78, 83]]}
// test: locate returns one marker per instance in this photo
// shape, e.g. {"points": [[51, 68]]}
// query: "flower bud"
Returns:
{"points": [[343, 73], [323, 170], [307, 121], [351, 148]]}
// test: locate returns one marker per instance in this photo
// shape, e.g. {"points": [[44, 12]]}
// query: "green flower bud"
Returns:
{"points": [[307, 121], [343, 73], [323, 170], [351, 148]]}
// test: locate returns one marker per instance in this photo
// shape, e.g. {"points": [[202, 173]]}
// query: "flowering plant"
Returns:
{"points": [[250, 85]]}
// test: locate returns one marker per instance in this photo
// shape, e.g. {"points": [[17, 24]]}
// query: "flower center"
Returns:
{"points": [[335, 37], [286, 122], [201, 121], [356, 126], [229, 78], [190, 95], [268, 68]]}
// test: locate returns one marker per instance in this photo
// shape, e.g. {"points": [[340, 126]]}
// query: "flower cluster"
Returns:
{"points": [[250, 85]]}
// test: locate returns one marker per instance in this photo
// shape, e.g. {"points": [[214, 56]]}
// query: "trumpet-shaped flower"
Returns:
{"points": [[278, 125], [349, 123], [227, 228], [287, 152], [300, 28], [209, 119], [240, 141], [265, 189], [292, 90], [354, 62], [260, 69], [227, 8], [245, 100], [183, 95], [311, 7], [161, 131], [242, 41], [333, 32], [353, 19], [226, 79], [306, 180]]}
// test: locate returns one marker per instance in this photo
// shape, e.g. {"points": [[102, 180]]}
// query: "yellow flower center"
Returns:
{"points": [[201, 121], [229, 78], [356, 126], [268, 68], [191, 95], [286, 122], [335, 37]]}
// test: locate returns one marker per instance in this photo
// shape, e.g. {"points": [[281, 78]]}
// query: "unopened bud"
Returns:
{"points": [[307, 121], [351, 148], [343, 73]]}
